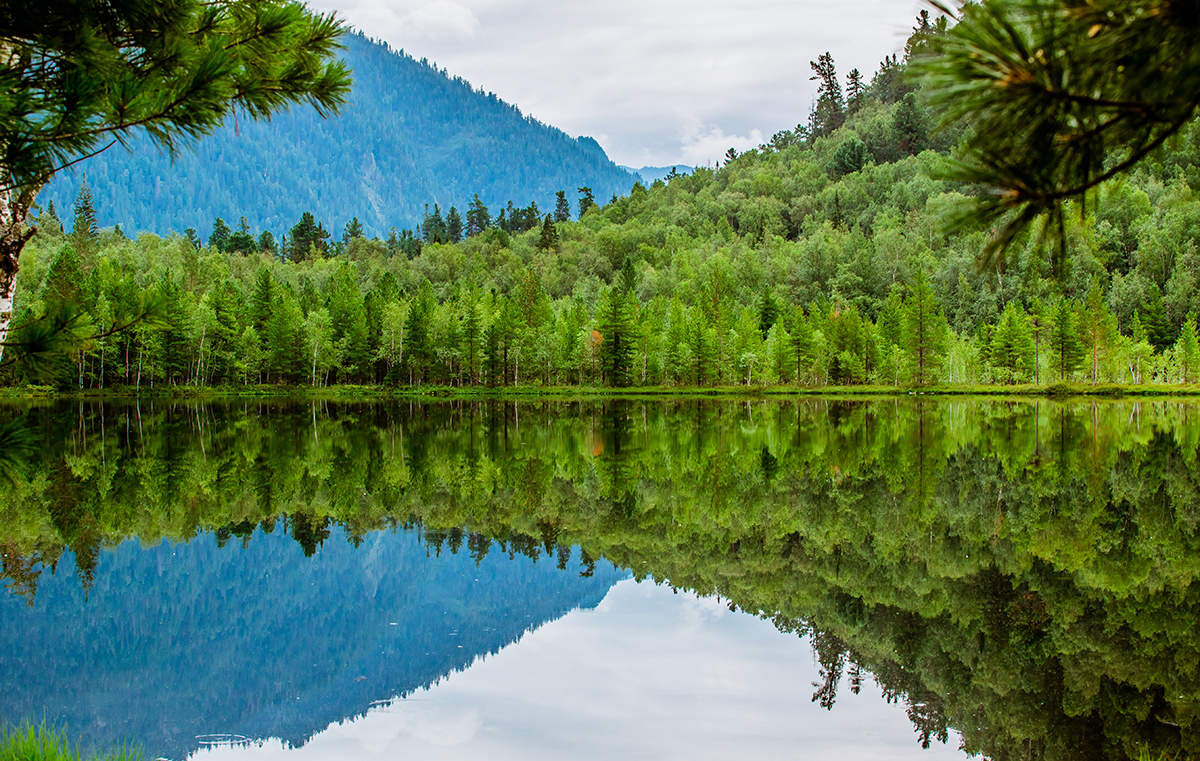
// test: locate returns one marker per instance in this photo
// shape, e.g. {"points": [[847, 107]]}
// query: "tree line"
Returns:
{"points": [[817, 259]]}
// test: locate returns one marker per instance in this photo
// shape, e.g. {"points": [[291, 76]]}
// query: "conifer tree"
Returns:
{"points": [[923, 331], [1066, 350], [587, 200], [84, 230], [549, 238], [615, 324], [454, 226], [478, 217], [1012, 349], [856, 90], [562, 207], [830, 111]]}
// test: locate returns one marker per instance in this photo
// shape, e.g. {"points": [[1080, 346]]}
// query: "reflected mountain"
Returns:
{"points": [[179, 640], [1022, 572]]}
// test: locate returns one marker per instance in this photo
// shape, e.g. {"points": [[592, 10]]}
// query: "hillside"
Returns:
{"points": [[410, 135], [821, 258]]}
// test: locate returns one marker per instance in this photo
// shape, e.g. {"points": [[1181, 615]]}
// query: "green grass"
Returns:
{"points": [[45, 743]]}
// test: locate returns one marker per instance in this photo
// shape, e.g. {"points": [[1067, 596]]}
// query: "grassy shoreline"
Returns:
{"points": [[532, 392]]}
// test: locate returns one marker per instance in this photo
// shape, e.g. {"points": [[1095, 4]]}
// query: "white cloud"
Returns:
{"points": [[645, 72], [708, 147]]}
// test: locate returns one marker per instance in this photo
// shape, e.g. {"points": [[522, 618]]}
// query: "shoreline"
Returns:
{"points": [[533, 393]]}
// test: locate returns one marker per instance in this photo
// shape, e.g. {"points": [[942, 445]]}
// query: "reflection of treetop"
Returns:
{"points": [[1021, 572]]}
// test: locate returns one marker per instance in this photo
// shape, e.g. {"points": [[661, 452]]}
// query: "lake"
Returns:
{"points": [[823, 578]]}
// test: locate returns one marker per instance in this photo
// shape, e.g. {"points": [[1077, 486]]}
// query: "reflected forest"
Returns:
{"points": [[1021, 573]]}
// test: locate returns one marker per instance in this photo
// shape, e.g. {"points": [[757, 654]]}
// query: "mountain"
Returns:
{"points": [[179, 640], [410, 135], [650, 174]]}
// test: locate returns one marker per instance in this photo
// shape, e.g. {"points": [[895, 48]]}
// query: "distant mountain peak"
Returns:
{"points": [[411, 134]]}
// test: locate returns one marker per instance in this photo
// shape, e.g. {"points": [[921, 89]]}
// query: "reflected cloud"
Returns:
{"points": [[648, 673]]}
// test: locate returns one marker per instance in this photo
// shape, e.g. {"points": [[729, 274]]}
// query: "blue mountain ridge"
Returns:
{"points": [[179, 640], [410, 135]]}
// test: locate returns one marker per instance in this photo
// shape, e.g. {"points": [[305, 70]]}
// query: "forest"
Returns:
{"points": [[1022, 572], [819, 259]]}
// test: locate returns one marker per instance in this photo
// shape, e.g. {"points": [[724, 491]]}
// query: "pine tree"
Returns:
{"points": [[1096, 326], [856, 90], [84, 232], [433, 228], [830, 111], [586, 200], [1012, 350], [549, 238], [1066, 351], [478, 217], [615, 324], [266, 242], [562, 207], [219, 238], [454, 226], [909, 126], [353, 229], [241, 241], [307, 238], [768, 313], [924, 331]]}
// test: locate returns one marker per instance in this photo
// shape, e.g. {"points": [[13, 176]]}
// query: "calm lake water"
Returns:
{"points": [[816, 578]]}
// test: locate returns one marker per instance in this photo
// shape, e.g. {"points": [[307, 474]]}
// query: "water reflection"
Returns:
{"points": [[1022, 572], [646, 674]]}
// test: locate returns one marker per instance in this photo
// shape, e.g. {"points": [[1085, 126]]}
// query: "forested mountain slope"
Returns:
{"points": [[821, 258], [410, 135]]}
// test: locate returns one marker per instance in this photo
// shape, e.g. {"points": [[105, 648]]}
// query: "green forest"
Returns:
{"points": [[1021, 572], [820, 259]]}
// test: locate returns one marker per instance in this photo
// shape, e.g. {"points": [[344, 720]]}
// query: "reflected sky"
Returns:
{"points": [[647, 674]]}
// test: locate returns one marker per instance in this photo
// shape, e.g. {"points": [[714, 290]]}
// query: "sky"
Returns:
{"points": [[656, 82], [648, 674]]}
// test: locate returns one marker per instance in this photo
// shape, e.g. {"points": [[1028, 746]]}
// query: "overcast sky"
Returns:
{"points": [[655, 81]]}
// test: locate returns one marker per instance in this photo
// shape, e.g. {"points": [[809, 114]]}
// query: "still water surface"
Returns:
{"points": [[669, 579]]}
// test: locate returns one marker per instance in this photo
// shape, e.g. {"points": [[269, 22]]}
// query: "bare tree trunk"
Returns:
{"points": [[14, 234]]}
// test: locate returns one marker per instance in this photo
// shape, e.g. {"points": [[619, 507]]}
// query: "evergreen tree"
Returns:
{"points": [[454, 226], [615, 325], [586, 200], [353, 229], [562, 207], [830, 111], [219, 238], [241, 241], [768, 313], [84, 231], [856, 90], [1012, 350], [909, 126], [549, 238], [266, 242], [433, 228], [307, 238], [478, 217], [1096, 326], [923, 331], [1066, 350]]}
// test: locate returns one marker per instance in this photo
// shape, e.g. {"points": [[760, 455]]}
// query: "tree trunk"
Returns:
{"points": [[14, 234]]}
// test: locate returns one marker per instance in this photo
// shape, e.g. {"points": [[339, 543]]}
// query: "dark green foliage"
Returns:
{"points": [[562, 207], [1046, 129], [548, 241], [851, 156], [454, 226], [830, 111], [587, 200]]}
